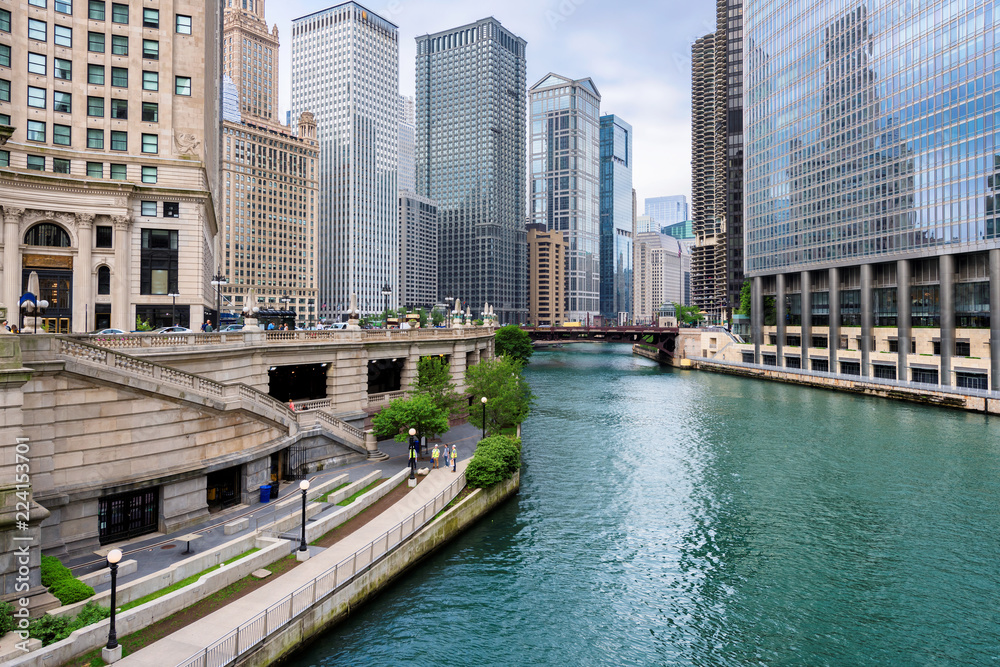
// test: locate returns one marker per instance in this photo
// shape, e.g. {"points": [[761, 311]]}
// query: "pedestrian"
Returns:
{"points": [[413, 458], [435, 454], [420, 447], [454, 458], [4, 327], [270, 326]]}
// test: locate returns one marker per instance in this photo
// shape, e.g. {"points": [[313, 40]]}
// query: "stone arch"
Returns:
{"points": [[48, 235], [103, 275]]}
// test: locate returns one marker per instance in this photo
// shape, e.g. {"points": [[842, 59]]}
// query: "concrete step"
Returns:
{"points": [[376, 455]]}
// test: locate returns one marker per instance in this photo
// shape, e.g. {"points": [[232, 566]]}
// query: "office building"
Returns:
{"points": [[109, 160], [268, 240], [345, 70], [546, 265], [663, 274], [471, 92], [418, 257], [667, 210], [565, 182], [646, 224], [682, 231], [617, 224], [407, 145], [871, 218]]}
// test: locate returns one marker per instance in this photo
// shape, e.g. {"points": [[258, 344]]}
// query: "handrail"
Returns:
{"points": [[253, 632]]}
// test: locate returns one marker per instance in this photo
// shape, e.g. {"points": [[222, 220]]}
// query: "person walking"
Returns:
{"points": [[413, 458], [435, 454], [454, 458]]}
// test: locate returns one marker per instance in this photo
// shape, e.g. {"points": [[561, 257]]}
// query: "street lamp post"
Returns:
{"points": [[303, 549], [284, 301], [413, 454], [386, 291], [484, 417], [450, 314], [218, 280], [173, 309], [112, 652]]}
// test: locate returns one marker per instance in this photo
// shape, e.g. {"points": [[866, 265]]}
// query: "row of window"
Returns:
{"points": [[61, 136], [118, 172], [38, 30], [96, 42]]}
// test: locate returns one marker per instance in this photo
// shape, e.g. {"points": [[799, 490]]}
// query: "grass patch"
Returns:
{"points": [[182, 583], [325, 496], [347, 501], [242, 555], [336, 533]]}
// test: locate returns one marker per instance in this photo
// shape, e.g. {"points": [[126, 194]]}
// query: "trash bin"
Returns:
{"points": [[274, 491], [265, 493]]}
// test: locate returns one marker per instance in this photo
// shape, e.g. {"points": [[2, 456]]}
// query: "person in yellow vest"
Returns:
{"points": [[413, 457], [435, 454], [454, 458]]}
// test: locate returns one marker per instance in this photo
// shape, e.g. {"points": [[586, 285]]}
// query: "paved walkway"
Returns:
{"points": [[188, 641], [158, 552]]}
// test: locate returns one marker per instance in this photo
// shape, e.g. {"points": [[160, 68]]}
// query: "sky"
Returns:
{"points": [[638, 52]]}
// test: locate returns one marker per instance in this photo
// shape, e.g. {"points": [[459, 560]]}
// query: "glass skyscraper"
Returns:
{"points": [[871, 187], [667, 210], [565, 190], [470, 160], [616, 219], [345, 69]]}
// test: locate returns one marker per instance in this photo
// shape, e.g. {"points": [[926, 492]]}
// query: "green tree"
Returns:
{"points": [[437, 317], [746, 300], [434, 380], [423, 317], [514, 342], [419, 412], [497, 458], [688, 314], [508, 395]]}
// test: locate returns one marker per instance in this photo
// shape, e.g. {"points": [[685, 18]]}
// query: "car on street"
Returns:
{"points": [[171, 330], [107, 332], [231, 327]]}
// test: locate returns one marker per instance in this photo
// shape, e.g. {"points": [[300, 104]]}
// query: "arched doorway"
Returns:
{"points": [[55, 274]]}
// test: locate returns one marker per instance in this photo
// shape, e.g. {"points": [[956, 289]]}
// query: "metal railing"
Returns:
{"points": [[253, 632], [902, 384]]}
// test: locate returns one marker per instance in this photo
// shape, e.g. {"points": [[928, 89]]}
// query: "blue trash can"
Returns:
{"points": [[265, 493]]}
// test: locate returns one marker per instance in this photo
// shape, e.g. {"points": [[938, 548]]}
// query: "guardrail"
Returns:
{"points": [[250, 634]]}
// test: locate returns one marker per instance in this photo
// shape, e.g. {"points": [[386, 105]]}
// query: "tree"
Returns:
{"points": [[419, 412], [434, 380], [423, 317], [497, 458], [690, 315], [746, 299], [508, 395], [437, 317], [512, 341]]}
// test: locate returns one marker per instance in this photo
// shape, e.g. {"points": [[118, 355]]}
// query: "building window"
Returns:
{"points": [[769, 359], [36, 163], [63, 36], [150, 112], [149, 143], [119, 140], [4, 55], [119, 77], [150, 49], [95, 74], [183, 24], [62, 102], [119, 109], [183, 85], [748, 357], [104, 237], [850, 368], [150, 18], [119, 45], [48, 235], [95, 10], [148, 209], [63, 69], [36, 130], [972, 381], [4, 158], [793, 362], [925, 375], [4, 119], [60, 165], [158, 262], [171, 209], [95, 106], [95, 42], [61, 135], [37, 30], [149, 174], [95, 170], [4, 20], [119, 172], [95, 138], [119, 13], [103, 280], [150, 81], [64, 6], [963, 349], [884, 371], [37, 3], [821, 365], [4, 90], [36, 97], [36, 63]]}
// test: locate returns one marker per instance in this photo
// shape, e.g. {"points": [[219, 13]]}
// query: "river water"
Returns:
{"points": [[684, 518]]}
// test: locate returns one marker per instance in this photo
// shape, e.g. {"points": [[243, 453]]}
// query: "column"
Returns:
{"points": [[121, 308], [833, 340], [757, 315], [867, 318], [11, 261], [806, 318], [781, 317], [995, 319], [946, 268], [903, 323], [83, 294]]}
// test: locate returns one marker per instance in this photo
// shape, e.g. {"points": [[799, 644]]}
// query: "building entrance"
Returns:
{"points": [[56, 287], [126, 515]]}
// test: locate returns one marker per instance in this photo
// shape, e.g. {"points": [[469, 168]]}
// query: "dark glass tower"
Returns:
{"points": [[616, 219]]}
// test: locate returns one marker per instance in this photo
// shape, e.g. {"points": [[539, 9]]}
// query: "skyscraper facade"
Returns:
{"points": [[871, 209], [546, 264], [667, 210], [663, 269], [729, 23], [418, 258], [345, 70], [407, 146], [617, 229], [471, 92], [565, 182], [250, 57]]}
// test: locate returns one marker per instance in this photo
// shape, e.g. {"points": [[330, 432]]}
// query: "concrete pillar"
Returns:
{"points": [[806, 317], [903, 321], [756, 315], [458, 366], [11, 261], [995, 319], [781, 317], [83, 295], [867, 318], [410, 371], [121, 308], [833, 340], [946, 268]]}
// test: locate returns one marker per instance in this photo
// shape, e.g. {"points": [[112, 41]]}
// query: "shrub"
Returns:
{"points": [[6, 618], [71, 590], [53, 571], [496, 459], [51, 629]]}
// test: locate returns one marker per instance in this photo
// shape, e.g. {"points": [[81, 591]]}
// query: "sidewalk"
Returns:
{"points": [[153, 553], [186, 642]]}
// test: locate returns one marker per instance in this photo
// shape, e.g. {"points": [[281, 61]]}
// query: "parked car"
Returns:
{"points": [[231, 327], [171, 330], [107, 332]]}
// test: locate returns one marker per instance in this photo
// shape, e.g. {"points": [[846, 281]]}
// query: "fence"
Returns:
{"points": [[235, 643]]}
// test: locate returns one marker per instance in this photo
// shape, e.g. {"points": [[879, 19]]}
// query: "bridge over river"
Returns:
{"points": [[664, 339]]}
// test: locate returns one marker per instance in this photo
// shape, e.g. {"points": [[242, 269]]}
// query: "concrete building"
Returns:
{"points": [[407, 145], [667, 210], [470, 159], [418, 256], [547, 267], [345, 70], [662, 274], [270, 177], [617, 223], [109, 159], [891, 268]]}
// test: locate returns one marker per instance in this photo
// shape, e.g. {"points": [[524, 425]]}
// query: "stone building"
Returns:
{"points": [[109, 159], [546, 276], [418, 257], [662, 274]]}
